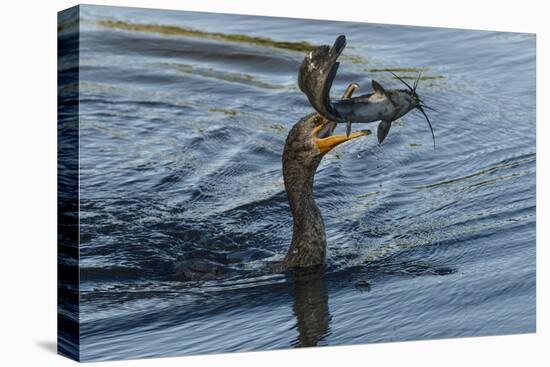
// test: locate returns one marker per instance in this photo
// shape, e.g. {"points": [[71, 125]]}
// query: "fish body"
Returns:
{"points": [[315, 78], [380, 105]]}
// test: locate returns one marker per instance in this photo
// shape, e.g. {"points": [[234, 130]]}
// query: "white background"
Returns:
{"points": [[28, 182]]}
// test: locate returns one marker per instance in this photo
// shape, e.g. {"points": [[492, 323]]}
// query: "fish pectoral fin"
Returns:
{"points": [[383, 130], [327, 144]]}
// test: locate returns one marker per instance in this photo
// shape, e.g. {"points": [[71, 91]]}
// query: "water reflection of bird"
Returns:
{"points": [[310, 307]]}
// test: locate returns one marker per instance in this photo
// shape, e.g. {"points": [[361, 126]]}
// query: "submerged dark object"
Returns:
{"points": [[363, 284], [316, 75]]}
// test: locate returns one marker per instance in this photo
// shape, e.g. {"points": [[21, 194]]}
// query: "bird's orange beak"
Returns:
{"points": [[325, 145]]}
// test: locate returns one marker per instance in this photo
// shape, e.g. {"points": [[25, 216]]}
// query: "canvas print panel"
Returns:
{"points": [[216, 213]]}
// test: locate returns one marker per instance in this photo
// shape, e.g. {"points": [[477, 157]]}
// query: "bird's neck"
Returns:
{"points": [[308, 245]]}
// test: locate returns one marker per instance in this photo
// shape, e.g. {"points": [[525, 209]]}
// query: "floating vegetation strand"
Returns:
{"points": [[479, 173], [226, 76], [226, 111], [397, 70], [184, 31], [407, 70], [423, 77]]}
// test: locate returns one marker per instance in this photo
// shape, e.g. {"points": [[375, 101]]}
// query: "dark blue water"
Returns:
{"points": [[180, 158]]}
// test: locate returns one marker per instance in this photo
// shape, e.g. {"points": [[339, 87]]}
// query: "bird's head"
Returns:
{"points": [[313, 137]]}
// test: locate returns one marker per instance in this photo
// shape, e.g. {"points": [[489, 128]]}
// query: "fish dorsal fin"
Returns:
{"points": [[378, 88]]}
